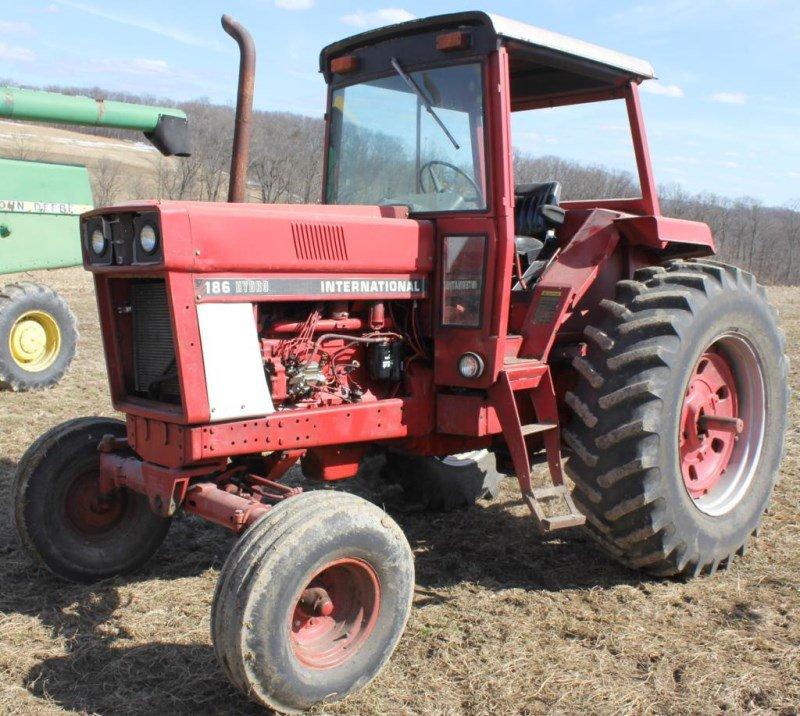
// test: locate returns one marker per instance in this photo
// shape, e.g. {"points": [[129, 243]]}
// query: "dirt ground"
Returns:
{"points": [[503, 623]]}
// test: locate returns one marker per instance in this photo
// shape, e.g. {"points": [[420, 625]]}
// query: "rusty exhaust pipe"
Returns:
{"points": [[237, 186]]}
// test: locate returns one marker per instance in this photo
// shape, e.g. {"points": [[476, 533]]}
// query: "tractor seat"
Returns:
{"points": [[534, 237], [529, 200]]}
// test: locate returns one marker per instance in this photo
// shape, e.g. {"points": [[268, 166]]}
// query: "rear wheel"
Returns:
{"points": [[38, 336], [679, 417], [444, 483], [65, 522], [312, 600]]}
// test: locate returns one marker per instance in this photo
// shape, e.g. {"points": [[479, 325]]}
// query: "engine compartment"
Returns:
{"points": [[332, 353]]}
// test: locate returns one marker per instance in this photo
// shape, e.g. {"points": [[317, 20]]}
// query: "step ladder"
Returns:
{"points": [[531, 380]]}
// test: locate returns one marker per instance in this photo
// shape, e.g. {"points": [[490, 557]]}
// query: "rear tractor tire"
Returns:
{"points": [[678, 418], [38, 337], [62, 519], [441, 484], [312, 600]]}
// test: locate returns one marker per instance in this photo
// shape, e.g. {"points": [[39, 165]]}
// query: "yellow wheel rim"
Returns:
{"points": [[35, 341]]}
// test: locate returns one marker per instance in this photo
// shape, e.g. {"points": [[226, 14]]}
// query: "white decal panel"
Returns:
{"points": [[235, 381]]}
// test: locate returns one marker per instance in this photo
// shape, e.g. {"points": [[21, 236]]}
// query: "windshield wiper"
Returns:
{"points": [[424, 99]]}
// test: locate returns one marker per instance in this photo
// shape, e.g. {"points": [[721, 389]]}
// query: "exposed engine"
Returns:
{"points": [[344, 352]]}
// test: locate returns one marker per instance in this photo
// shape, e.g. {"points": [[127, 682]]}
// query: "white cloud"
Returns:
{"points": [[376, 18], [15, 28], [145, 66], [16, 54], [295, 4], [139, 21], [729, 97], [655, 87]]}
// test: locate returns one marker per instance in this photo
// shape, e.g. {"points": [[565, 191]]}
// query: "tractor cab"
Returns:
{"points": [[419, 116]]}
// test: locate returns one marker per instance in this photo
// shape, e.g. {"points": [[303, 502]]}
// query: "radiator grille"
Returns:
{"points": [[155, 371], [319, 242]]}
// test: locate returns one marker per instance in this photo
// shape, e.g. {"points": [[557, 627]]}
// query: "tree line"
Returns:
{"points": [[286, 166]]}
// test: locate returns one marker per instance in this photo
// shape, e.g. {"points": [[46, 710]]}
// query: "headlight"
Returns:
{"points": [[148, 238], [470, 365], [98, 242]]}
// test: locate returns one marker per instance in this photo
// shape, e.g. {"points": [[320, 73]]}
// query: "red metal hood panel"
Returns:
{"points": [[290, 237]]}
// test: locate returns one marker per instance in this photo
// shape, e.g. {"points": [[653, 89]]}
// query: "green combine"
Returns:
{"points": [[39, 208]]}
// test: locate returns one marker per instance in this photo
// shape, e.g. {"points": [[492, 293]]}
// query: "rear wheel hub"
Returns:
{"points": [[708, 424], [721, 425]]}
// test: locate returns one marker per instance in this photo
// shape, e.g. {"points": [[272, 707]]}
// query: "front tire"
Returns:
{"points": [[63, 521], [312, 600], [38, 337], [686, 356]]}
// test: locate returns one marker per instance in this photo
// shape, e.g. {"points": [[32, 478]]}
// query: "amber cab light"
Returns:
{"points": [[451, 41], [344, 65]]}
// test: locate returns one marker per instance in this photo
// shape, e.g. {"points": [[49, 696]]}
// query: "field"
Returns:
{"points": [[503, 623]]}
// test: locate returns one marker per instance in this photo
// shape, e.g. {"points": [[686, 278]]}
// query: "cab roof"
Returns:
{"points": [[542, 62]]}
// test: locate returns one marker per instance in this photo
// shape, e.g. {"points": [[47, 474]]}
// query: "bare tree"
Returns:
{"points": [[106, 176]]}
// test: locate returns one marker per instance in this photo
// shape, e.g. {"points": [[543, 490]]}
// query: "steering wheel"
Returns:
{"points": [[428, 166]]}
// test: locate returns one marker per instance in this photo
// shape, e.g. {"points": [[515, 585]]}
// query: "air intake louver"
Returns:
{"points": [[319, 242], [155, 370]]}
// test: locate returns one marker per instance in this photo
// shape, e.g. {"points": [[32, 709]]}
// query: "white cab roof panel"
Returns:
{"points": [[530, 35]]}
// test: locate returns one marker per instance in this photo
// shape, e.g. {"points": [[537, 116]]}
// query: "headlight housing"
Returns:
{"points": [[98, 242], [148, 246], [470, 365], [148, 238]]}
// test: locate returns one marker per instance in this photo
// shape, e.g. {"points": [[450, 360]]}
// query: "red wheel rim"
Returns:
{"points": [[89, 511], [335, 613], [709, 428]]}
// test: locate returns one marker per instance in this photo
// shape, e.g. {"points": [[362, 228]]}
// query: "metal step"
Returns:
{"points": [[534, 428], [546, 524]]}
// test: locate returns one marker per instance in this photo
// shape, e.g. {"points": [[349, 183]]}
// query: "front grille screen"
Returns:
{"points": [[155, 370]]}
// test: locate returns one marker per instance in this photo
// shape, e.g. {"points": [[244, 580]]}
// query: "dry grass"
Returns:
{"points": [[502, 623]]}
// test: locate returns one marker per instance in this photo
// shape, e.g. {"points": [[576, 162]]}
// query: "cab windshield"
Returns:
{"points": [[411, 138]]}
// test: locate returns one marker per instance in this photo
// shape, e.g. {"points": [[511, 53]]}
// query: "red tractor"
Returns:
{"points": [[428, 309]]}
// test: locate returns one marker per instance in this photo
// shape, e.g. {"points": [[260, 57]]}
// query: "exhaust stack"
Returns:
{"points": [[243, 128]]}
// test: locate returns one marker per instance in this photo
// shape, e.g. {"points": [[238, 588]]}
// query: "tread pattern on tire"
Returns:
{"points": [[611, 440]]}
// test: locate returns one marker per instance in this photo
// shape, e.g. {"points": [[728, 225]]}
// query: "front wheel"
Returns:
{"points": [[312, 600], [63, 520], [679, 417]]}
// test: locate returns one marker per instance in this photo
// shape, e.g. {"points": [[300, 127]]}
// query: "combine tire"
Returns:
{"points": [[312, 600], [678, 418], [38, 335], [64, 522], [444, 483]]}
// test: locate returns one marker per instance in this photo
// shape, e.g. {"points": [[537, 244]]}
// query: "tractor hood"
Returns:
{"points": [[205, 237]]}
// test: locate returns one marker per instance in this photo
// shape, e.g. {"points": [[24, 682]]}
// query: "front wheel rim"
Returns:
{"points": [[90, 512], [722, 422], [335, 613]]}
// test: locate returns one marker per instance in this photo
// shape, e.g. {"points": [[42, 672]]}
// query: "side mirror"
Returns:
{"points": [[553, 215]]}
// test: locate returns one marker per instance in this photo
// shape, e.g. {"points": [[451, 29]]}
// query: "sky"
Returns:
{"points": [[723, 116]]}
